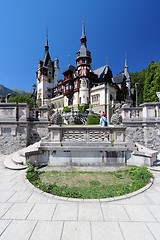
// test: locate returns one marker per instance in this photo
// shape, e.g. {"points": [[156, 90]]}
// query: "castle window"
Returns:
{"points": [[67, 86], [49, 80], [70, 102], [95, 99], [50, 73]]}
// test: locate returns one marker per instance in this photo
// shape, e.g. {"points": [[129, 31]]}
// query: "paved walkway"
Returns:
{"points": [[26, 214]]}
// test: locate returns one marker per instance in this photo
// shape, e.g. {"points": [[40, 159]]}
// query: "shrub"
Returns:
{"points": [[32, 174], [83, 108], [92, 119], [66, 109]]}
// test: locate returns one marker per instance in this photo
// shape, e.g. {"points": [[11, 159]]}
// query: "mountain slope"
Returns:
{"points": [[4, 91]]}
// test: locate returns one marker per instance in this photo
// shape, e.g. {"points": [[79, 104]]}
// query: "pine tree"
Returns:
{"points": [[152, 82]]}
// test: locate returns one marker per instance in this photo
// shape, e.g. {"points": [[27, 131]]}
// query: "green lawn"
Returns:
{"points": [[91, 185]]}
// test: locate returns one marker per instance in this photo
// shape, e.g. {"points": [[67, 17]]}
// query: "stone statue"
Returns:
{"points": [[56, 118], [116, 118]]}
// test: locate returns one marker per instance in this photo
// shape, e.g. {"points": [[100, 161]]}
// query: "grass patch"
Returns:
{"points": [[91, 185]]}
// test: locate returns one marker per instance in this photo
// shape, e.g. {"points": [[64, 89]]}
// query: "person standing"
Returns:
{"points": [[103, 120]]}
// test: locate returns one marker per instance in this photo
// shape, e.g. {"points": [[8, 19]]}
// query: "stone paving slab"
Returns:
{"points": [[90, 212], [155, 211], [6, 195], [114, 213], [19, 230], [3, 225], [106, 231], [4, 207], [136, 231], [6, 185], [18, 211], [19, 186], [20, 196], [76, 231], [139, 213], [42, 212], [155, 196], [36, 197], [66, 212], [141, 199], [46, 230], [155, 229]]}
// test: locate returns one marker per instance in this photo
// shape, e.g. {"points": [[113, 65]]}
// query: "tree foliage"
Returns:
{"points": [[138, 77], [22, 99], [152, 82], [148, 81]]}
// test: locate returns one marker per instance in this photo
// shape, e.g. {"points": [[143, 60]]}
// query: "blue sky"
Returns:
{"points": [[113, 28]]}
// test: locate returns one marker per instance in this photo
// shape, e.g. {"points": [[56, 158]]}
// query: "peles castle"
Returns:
{"points": [[81, 85]]}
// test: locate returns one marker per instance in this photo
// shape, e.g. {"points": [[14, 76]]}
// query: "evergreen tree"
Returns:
{"points": [[139, 78], [152, 82]]}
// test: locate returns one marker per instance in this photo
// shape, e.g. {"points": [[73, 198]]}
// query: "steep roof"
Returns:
{"points": [[70, 68], [101, 71], [47, 59], [119, 78]]}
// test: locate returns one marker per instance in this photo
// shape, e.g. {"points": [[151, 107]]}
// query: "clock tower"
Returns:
{"points": [[83, 62]]}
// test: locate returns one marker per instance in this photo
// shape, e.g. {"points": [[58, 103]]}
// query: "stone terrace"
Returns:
{"points": [[29, 214]]}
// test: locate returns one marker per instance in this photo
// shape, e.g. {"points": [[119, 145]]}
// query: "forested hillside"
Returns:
{"points": [[148, 81]]}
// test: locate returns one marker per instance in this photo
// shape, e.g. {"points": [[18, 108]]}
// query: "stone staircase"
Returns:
{"points": [[17, 160]]}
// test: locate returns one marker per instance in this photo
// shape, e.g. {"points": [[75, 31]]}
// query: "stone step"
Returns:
{"points": [[17, 158], [8, 163], [28, 149]]}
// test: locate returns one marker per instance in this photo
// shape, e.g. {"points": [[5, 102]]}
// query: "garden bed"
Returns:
{"points": [[90, 185]]}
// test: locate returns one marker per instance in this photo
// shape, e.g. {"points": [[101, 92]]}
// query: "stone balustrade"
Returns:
{"points": [[144, 113], [7, 112], [39, 114], [82, 135], [132, 113]]}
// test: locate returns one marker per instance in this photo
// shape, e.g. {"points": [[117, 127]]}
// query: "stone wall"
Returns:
{"points": [[13, 137], [152, 136], [37, 131], [147, 134], [21, 126]]}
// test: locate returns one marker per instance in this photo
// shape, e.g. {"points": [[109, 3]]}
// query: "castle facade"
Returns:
{"points": [[81, 85]]}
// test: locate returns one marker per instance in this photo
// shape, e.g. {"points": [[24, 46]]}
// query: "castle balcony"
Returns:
{"points": [[67, 79], [69, 93]]}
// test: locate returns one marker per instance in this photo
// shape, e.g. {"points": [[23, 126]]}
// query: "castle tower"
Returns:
{"points": [[56, 72], [82, 82], [45, 76], [128, 79]]}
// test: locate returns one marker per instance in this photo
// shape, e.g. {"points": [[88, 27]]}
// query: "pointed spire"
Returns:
{"points": [[107, 62], [47, 59], [46, 45], [83, 28], [126, 72], [126, 62], [83, 37], [69, 60]]}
